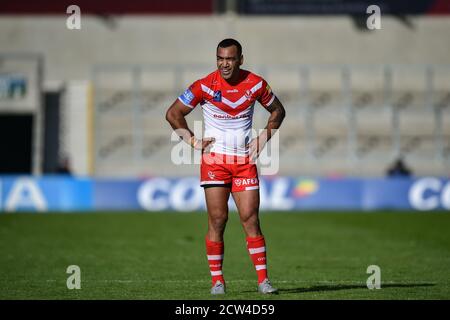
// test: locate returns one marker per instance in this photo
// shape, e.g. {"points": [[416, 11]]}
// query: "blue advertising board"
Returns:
{"points": [[65, 194], [51, 193]]}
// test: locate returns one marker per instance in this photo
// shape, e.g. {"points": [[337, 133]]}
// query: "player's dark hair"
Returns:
{"points": [[225, 43]]}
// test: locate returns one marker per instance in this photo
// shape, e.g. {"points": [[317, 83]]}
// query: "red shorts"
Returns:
{"points": [[228, 171]]}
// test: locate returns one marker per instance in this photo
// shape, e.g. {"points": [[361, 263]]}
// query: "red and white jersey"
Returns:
{"points": [[228, 109]]}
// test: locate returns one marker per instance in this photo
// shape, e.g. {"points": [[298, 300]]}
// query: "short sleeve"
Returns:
{"points": [[266, 95], [192, 96]]}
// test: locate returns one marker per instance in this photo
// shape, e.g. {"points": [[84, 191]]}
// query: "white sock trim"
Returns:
{"points": [[257, 250], [215, 257], [216, 273]]}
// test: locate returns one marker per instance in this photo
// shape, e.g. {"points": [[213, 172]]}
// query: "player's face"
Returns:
{"points": [[228, 62]]}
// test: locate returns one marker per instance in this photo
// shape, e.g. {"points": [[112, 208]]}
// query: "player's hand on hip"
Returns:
{"points": [[205, 144]]}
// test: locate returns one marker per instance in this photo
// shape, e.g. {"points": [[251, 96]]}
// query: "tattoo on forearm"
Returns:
{"points": [[277, 114]]}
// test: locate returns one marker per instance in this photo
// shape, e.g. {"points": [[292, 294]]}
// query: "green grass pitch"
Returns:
{"points": [[162, 255]]}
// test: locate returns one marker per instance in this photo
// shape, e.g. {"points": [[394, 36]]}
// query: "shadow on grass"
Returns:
{"points": [[337, 287]]}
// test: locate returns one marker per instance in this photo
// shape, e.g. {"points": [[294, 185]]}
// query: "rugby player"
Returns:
{"points": [[227, 97]]}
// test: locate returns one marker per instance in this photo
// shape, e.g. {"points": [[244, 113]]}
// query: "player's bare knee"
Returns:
{"points": [[252, 228], [218, 222], [250, 218]]}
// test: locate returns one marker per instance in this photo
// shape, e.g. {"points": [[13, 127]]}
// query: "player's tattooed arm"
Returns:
{"points": [[277, 114]]}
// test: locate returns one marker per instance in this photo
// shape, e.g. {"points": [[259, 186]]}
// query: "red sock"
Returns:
{"points": [[214, 252], [257, 249]]}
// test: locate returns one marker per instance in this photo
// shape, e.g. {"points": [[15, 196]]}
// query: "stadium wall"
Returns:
{"points": [[67, 194], [71, 54]]}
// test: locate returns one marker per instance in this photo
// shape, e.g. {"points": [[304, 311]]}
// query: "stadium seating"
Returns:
{"points": [[329, 132]]}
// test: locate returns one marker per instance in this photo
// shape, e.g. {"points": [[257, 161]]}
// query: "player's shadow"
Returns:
{"points": [[337, 287]]}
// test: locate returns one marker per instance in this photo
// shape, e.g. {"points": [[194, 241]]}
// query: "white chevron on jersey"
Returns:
{"points": [[229, 103]]}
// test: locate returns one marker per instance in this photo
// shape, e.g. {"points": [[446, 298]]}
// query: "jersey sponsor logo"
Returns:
{"points": [[187, 96], [217, 96], [232, 91], [226, 116]]}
